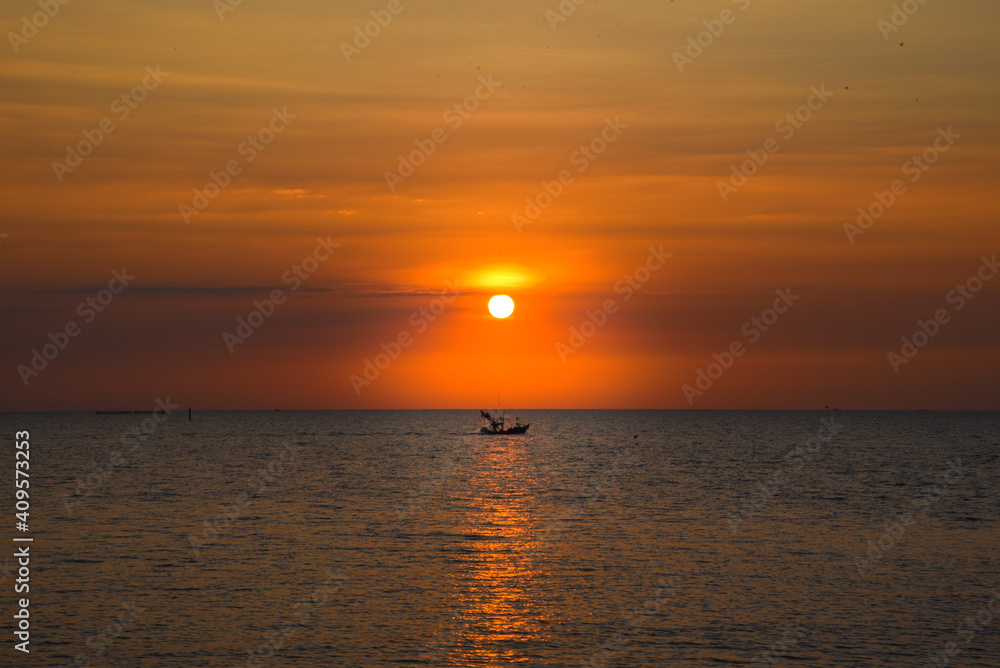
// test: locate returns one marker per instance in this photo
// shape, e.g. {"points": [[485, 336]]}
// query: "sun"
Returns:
{"points": [[501, 306]]}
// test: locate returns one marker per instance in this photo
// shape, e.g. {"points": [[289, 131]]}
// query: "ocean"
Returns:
{"points": [[599, 538]]}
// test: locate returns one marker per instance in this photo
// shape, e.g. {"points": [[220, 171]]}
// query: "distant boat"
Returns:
{"points": [[497, 425]]}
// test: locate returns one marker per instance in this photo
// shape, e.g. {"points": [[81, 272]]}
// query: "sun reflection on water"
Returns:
{"points": [[498, 584]]}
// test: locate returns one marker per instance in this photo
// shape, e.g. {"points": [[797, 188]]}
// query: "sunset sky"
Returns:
{"points": [[607, 74]]}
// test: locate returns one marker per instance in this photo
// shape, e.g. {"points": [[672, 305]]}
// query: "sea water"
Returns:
{"points": [[599, 538]]}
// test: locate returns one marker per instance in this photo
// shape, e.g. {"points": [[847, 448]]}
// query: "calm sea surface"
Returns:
{"points": [[601, 538]]}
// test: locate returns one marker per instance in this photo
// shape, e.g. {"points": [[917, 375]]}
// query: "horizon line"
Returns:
{"points": [[114, 411]]}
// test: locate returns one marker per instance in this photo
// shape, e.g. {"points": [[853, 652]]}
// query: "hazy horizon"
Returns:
{"points": [[139, 411]]}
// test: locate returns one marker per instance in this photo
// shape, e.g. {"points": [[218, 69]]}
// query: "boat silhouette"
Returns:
{"points": [[497, 425]]}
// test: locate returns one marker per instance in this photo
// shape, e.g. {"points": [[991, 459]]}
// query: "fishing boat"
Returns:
{"points": [[497, 425]]}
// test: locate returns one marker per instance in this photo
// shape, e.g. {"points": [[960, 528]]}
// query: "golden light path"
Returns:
{"points": [[500, 589]]}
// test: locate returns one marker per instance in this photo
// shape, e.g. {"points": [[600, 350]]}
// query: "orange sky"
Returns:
{"points": [[655, 184]]}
